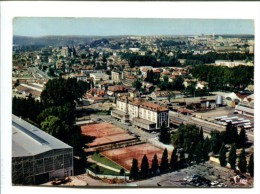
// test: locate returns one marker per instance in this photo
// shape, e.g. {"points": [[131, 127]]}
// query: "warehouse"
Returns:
{"points": [[38, 157]]}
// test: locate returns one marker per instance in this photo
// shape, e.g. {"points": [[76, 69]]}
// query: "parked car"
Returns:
{"points": [[214, 183]]}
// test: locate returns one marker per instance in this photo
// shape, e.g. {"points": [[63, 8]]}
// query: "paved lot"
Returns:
{"points": [[144, 136], [209, 170]]}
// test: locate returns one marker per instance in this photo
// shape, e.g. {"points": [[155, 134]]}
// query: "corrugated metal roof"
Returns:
{"points": [[28, 140]]}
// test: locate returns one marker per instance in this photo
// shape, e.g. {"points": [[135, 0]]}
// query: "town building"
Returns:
{"points": [[141, 113], [97, 77], [165, 95], [115, 90], [116, 76], [129, 80], [229, 63], [38, 157], [201, 85]]}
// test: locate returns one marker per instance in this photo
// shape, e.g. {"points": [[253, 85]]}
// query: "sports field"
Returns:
{"points": [[105, 133], [124, 156]]}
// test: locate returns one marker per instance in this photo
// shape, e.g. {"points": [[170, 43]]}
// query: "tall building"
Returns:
{"points": [[38, 157], [65, 51], [141, 113], [116, 76]]}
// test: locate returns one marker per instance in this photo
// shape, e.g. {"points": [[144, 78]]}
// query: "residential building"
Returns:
{"points": [[229, 63], [128, 81], [141, 113], [97, 77], [80, 76], [115, 90], [202, 85], [38, 157], [188, 82], [163, 95], [226, 49], [65, 51], [116, 76]]}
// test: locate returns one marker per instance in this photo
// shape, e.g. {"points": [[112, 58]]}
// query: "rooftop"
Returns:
{"points": [[144, 104], [28, 140], [117, 88]]}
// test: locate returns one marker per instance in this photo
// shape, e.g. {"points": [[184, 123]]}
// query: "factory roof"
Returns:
{"points": [[28, 140]]}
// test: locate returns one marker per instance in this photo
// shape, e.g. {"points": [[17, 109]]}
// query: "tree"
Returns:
{"points": [[164, 136], [26, 108], [155, 165], [190, 90], [201, 136], [134, 169], [164, 161], [17, 83], [234, 136], [144, 167], [122, 171], [250, 167], [170, 95], [60, 92], [191, 152], [206, 149], [137, 84], [177, 83], [216, 141], [198, 152], [232, 156], [64, 113], [55, 127], [222, 155], [242, 164], [182, 160], [185, 136], [242, 138], [174, 160], [228, 133], [223, 136]]}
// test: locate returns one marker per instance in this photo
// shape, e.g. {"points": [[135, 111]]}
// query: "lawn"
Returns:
{"points": [[103, 160], [103, 171]]}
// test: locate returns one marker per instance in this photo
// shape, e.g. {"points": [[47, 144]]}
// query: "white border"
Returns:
{"points": [[224, 10]]}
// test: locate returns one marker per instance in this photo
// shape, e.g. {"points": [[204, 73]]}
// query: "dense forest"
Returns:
{"points": [[224, 78], [163, 60]]}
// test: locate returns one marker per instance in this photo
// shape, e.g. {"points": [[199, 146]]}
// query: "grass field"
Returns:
{"points": [[103, 160], [103, 171]]}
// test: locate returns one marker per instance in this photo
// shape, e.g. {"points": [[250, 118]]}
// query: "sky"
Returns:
{"points": [[35, 26]]}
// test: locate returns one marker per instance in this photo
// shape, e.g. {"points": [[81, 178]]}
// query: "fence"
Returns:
{"points": [[103, 176]]}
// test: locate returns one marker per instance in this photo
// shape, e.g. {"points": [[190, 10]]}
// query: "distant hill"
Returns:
{"points": [[246, 36], [52, 40]]}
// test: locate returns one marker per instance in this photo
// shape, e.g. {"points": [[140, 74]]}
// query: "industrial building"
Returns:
{"points": [[246, 107], [38, 157]]}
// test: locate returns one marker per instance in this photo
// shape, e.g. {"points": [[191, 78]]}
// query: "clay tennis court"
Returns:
{"points": [[105, 133], [124, 156]]}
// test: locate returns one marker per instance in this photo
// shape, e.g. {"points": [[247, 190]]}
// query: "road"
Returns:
{"points": [[206, 127], [38, 74]]}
